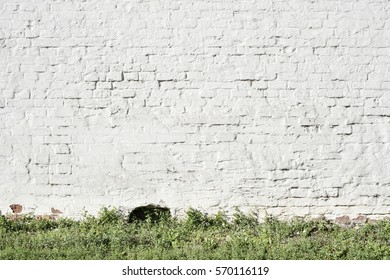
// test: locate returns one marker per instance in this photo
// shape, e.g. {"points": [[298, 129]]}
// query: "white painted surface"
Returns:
{"points": [[282, 107]]}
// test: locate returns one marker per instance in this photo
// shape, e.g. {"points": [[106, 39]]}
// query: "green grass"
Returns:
{"points": [[197, 236]]}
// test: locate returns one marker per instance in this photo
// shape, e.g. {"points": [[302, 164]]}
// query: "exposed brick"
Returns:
{"points": [[16, 208], [55, 211], [343, 220]]}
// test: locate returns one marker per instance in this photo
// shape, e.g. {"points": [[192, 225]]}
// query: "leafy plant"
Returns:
{"points": [[111, 235]]}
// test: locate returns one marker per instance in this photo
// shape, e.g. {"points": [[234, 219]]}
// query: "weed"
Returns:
{"points": [[112, 235]]}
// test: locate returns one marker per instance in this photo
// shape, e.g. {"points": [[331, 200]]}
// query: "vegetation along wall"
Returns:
{"points": [[279, 107]]}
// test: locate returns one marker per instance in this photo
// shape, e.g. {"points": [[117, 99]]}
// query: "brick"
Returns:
{"points": [[131, 76], [115, 76]]}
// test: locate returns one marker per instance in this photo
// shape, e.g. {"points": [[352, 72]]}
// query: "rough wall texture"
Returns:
{"points": [[276, 106]]}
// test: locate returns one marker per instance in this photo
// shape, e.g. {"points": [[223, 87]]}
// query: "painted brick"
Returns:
{"points": [[273, 105]]}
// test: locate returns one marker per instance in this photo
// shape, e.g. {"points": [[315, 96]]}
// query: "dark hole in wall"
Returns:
{"points": [[152, 212]]}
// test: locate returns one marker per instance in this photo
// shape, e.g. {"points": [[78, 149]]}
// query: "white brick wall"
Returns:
{"points": [[281, 107]]}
